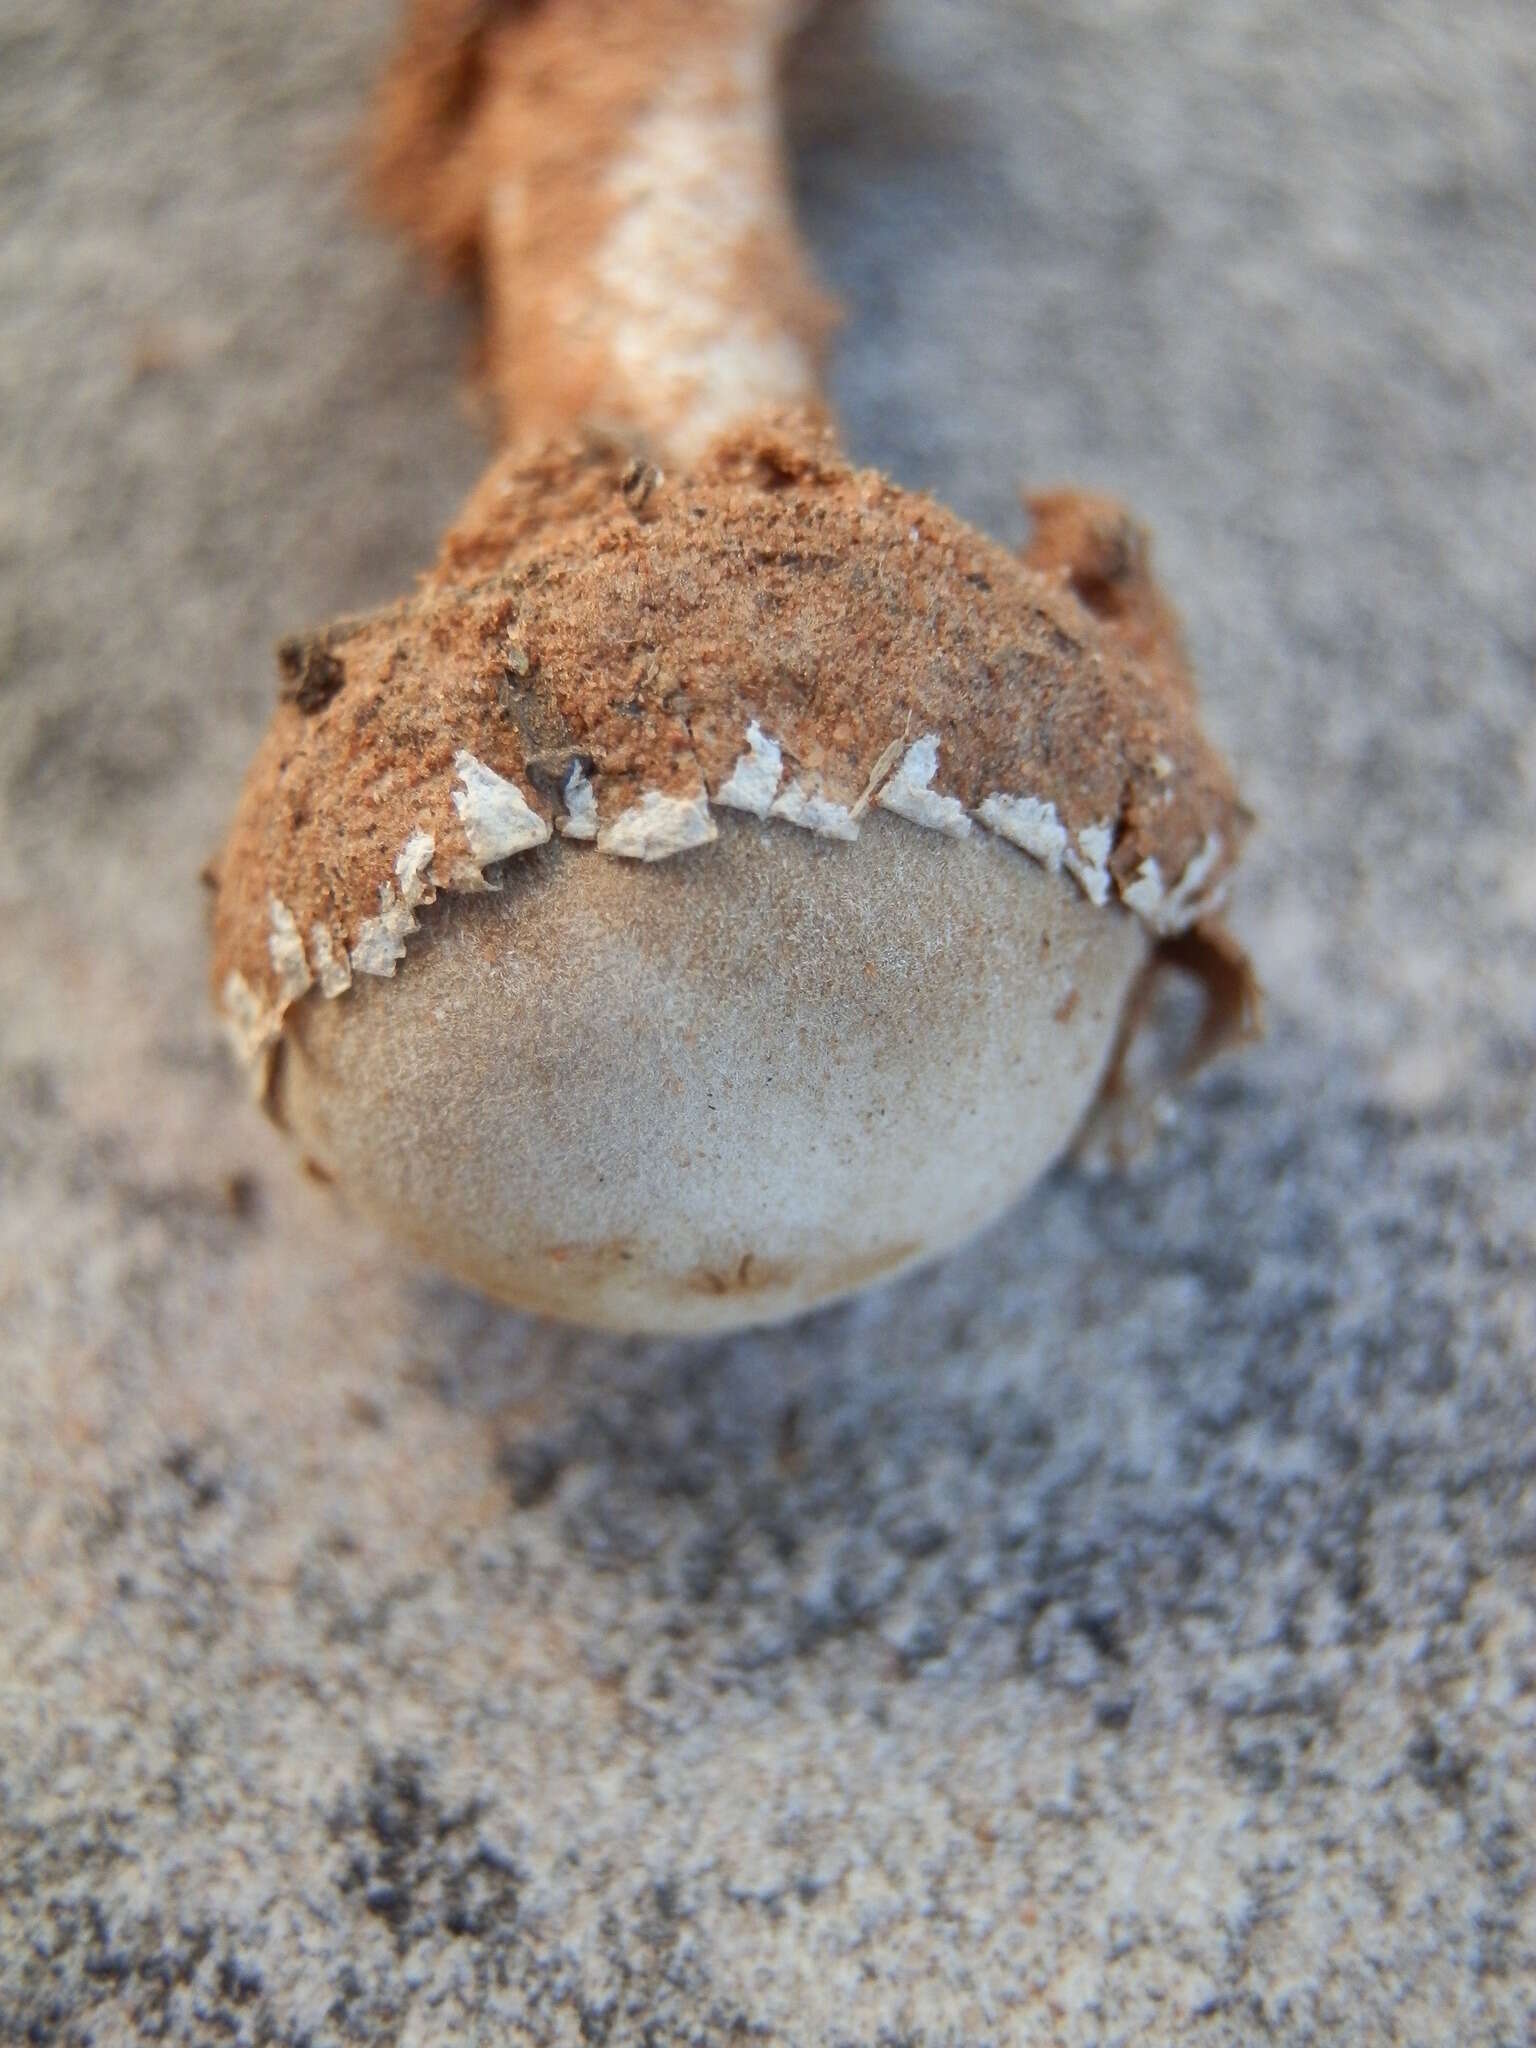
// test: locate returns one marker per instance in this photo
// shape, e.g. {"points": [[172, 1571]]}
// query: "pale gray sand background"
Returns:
{"points": [[1124, 1635]]}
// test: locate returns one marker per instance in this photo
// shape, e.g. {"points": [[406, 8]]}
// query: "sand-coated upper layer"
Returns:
{"points": [[594, 632]]}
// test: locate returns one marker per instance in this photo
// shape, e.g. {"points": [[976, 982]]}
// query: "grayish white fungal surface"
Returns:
{"points": [[755, 1089]]}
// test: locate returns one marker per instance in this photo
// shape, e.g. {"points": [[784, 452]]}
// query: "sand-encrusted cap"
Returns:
{"points": [[606, 655]]}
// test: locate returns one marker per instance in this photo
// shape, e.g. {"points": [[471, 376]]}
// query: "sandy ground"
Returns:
{"points": [[1123, 1634]]}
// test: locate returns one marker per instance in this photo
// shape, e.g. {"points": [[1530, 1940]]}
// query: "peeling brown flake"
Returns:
{"points": [[309, 675]]}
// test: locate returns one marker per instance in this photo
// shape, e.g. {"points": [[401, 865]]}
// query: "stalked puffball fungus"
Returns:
{"points": [[728, 879]]}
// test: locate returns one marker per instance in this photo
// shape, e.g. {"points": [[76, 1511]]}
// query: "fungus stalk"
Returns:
{"points": [[617, 190]]}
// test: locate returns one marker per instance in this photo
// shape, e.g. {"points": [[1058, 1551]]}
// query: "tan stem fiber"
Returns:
{"points": [[612, 174]]}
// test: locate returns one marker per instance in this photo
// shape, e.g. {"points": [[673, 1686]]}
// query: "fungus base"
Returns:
{"points": [[716, 1091]]}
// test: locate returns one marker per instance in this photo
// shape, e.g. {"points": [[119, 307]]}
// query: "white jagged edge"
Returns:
{"points": [[497, 818], [753, 783], [285, 949], [252, 1025], [1088, 862], [580, 820], [333, 965], [499, 822], [1175, 910], [910, 794], [659, 826], [814, 812], [1028, 823], [381, 940]]}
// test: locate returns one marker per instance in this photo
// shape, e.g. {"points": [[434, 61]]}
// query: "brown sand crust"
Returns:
{"points": [[1105, 557], [496, 135], [584, 611]]}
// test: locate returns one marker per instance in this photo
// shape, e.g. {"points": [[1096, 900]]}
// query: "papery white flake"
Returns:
{"points": [[1089, 864], [251, 1026], [333, 970], [1147, 895], [1028, 823], [497, 818], [285, 949], [1174, 910], [797, 806], [381, 940], [754, 781], [658, 826], [413, 870], [909, 794], [580, 820]]}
